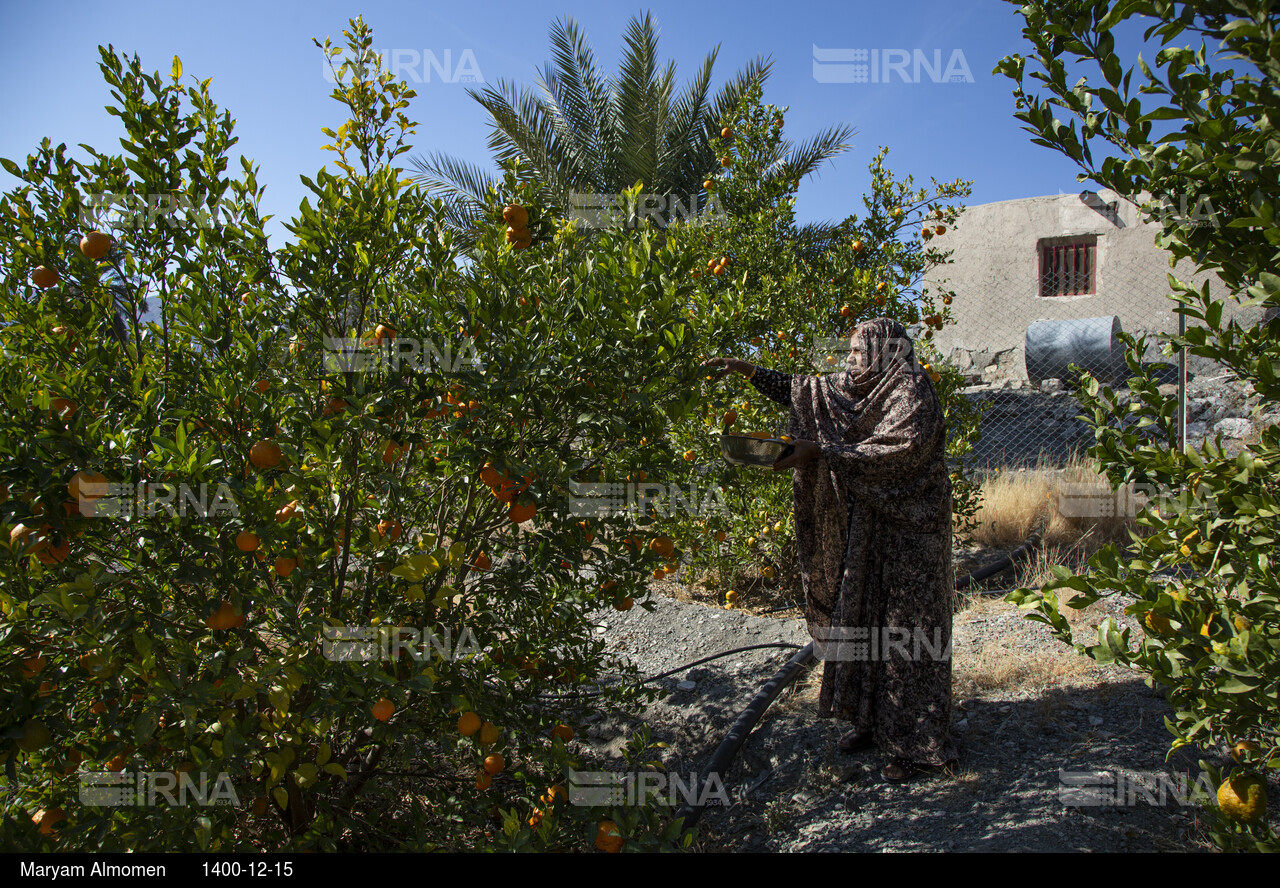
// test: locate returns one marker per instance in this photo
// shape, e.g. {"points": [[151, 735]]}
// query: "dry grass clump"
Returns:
{"points": [[997, 668], [1001, 664], [1075, 505]]}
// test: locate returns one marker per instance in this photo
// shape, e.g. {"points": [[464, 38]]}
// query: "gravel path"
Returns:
{"points": [[1027, 709]]}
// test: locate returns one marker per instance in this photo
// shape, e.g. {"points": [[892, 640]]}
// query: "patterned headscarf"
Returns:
{"points": [[882, 434]]}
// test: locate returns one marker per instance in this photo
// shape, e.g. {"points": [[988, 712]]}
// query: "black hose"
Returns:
{"points": [[683, 667], [728, 748], [1005, 562]]}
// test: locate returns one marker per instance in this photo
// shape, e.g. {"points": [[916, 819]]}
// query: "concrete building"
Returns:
{"points": [[1054, 258]]}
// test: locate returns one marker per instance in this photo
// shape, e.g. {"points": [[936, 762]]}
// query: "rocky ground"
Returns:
{"points": [[1030, 716]]}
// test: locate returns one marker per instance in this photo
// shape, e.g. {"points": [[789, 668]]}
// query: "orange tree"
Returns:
{"points": [[786, 297], [365, 618], [1202, 581]]}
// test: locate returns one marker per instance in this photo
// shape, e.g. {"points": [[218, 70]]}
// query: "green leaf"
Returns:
{"points": [[1235, 685], [457, 552], [177, 68], [144, 726], [204, 829]]}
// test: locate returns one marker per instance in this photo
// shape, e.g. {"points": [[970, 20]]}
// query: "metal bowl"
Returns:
{"points": [[743, 450]]}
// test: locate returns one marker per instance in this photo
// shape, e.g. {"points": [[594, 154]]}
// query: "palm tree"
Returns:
{"points": [[582, 132]]}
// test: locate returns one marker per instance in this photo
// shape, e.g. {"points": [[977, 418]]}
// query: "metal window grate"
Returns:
{"points": [[1067, 269]]}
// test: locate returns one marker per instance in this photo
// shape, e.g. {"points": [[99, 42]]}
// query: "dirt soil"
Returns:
{"points": [[1029, 713]]}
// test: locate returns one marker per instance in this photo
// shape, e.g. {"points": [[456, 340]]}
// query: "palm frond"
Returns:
{"points": [[808, 157]]}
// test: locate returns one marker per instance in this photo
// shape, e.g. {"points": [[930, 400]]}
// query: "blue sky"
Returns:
{"points": [[267, 72]]}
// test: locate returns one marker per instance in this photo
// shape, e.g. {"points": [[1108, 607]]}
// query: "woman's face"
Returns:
{"points": [[857, 360]]}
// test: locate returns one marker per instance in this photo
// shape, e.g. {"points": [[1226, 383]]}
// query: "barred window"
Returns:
{"points": [[1067, 269]]}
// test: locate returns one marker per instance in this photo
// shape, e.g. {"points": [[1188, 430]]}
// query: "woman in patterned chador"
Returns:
{"points": [[873, 536]]}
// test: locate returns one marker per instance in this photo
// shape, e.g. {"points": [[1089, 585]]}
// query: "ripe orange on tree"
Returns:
{"points": [[384, 332], [285, 565], [857, 246], [707, 184], [489, 734], [520, 513], [95, 245], [663, 546], [491, 476], [509, 490], [625, 604], [519, 238], [730, 417], [1243, 798], [390, 528], [515, 215], [726, 161], [383, 709], [494, 763], [225, 617], [48, 820], [44, 277], [391, 452], [483, 780], [609, 837], [54, 553], [1238, 751], [482, 561], [265, 454], [262, 385], [468, 724], [726, 133]]}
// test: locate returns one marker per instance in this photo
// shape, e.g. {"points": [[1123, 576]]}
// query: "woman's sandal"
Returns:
{"points": [[854, 741]]}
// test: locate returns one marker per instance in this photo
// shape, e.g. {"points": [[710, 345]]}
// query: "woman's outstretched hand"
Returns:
{"points": [[730, 365], [805, 452]]}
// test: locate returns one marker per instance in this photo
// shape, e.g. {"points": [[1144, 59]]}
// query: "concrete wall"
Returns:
{"points": [[995, 273]]}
